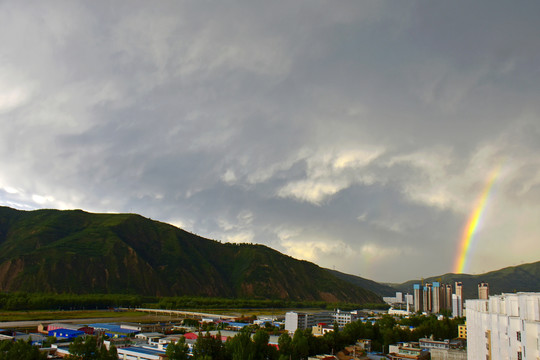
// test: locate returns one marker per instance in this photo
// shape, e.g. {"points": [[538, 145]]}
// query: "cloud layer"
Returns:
{"points": [[357, 136]]}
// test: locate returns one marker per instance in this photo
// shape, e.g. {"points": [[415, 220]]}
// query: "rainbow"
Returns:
{"points": [[473, 222]]}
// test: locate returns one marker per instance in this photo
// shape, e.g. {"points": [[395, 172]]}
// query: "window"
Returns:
{"points": [[519, 355], [519, 335]]}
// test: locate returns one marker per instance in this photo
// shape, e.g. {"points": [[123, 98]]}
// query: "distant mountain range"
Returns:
{"points": [[511, 279], [78, 252], [524, 277]]}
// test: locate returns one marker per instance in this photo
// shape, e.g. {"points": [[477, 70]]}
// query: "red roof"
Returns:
{"points": [[191, 336]]}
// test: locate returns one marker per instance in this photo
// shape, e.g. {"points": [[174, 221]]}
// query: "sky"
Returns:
{"points": [[359, 135]]}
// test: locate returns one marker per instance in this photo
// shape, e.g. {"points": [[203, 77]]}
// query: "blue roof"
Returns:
{"points": [[142, 350], [113, 328], [237, 324], [66, 331]]}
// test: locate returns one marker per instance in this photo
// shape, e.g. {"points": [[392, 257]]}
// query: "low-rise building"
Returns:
{"points": [[429, 343], [448, 354], [462, 331], [407, 351], [300, 320], [141, 353], [114, 330], [66, 334], [321, 329]]}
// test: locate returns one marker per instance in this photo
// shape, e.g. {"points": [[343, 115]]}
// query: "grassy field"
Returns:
{"points": [[63, 315]]}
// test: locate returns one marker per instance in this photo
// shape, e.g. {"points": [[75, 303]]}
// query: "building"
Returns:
{"points": [[505, 326], [427, 297], [321, 329], [407, 352], [417, 293], [141, 353], [459, 291], [457, 309], [462, 331], [44, 329], [426, 343], [436, 298], [67, 334], [448, 297], [114, 330], [343, 318], [448, 354], [299, 320], [483, 290]]}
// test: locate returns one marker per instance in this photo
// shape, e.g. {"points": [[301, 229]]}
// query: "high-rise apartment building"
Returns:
{"points": [[459, 291], [483, 290], [427, 297], [418, 297], [457, 307], [505, 326], [436, 299], [448, 297]]}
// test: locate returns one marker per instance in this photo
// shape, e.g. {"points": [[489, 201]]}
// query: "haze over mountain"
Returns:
{"points": [[79, 252]]}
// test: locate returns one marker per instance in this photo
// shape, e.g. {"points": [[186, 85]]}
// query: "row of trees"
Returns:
{"points": [[87, 348], [39, 301], [187, 302]]}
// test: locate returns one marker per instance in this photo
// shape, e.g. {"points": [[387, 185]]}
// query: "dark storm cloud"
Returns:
{"points": [[354, 135]]}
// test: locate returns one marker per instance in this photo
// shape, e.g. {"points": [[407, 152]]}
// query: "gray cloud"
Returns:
{"points": [[357, 136]]}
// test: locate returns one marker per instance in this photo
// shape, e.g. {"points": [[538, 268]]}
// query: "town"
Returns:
{"points": [[432, 323]]}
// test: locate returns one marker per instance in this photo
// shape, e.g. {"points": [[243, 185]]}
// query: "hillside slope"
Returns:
{"points": [[377, 288], [78, 252]]}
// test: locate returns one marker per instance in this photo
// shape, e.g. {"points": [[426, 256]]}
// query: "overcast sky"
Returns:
{"points": [[356, 134]]}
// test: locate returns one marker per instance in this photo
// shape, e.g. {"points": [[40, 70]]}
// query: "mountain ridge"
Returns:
{"points": [[79, 252]]}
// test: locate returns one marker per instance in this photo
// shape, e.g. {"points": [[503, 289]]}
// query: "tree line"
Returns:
{"points": [[47, 301]]}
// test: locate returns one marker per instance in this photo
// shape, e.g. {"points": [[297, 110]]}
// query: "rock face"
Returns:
{"points": [[78, 252]]}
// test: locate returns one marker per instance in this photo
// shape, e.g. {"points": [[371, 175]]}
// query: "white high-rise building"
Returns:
{"points": [[505, 326], [457, 309]]}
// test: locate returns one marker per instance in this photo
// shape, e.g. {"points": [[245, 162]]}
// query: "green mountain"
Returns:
{"points": [[78, 252], [511, 279], [377, 288]]}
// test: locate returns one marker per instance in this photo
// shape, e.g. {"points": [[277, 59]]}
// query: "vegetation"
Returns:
{"points": [[41, 301], [21, 350], [20, 302], [377, 288], [187, 302], [178, 350], [74, 252], [88, 348]]}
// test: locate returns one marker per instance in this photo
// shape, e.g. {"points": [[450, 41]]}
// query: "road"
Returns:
{"points": [[35, 323]]}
